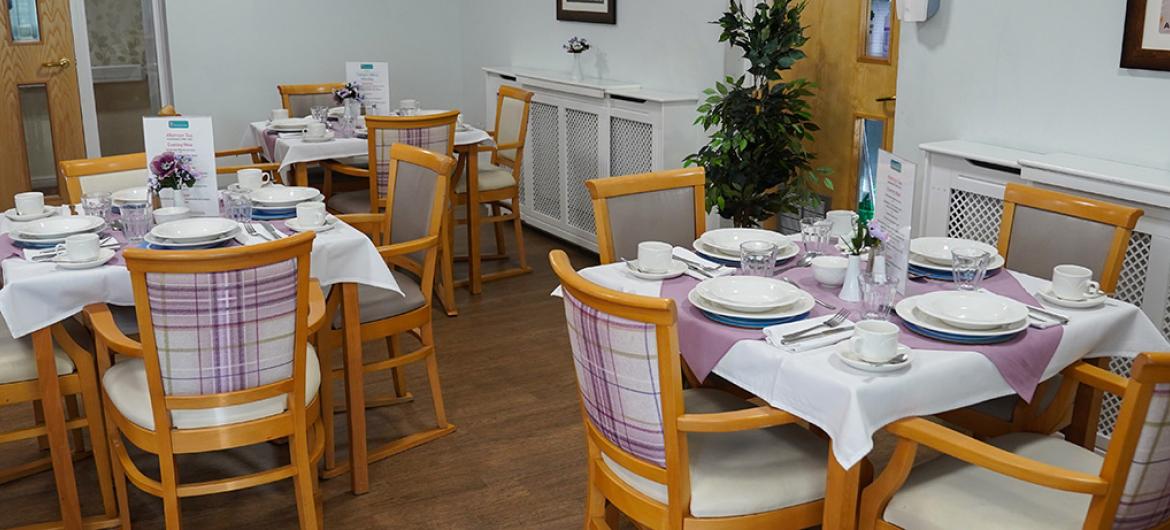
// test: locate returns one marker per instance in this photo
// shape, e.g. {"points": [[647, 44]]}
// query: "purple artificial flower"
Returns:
{"points": [[349, 91], [168, 170], [577, 45], [876, 232]]}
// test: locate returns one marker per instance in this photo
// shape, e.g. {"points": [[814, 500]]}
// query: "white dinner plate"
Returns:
{"points": [[938, 249], [972, 309], [728, 240], [15, 216], [49, 241], [847, 352], [908, 310], [749, 294], [104, 255], [803, 305], [295, 226], [130, 195], [154, 240], [785, 252], [997, 262], [1047, 295], [196, 229], [59, 227], [289, 124], [284, 195]]}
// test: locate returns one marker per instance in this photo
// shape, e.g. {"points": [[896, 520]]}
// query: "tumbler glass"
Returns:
{"points": [[814, 233], [237, 203], [98, 204], [877, 296], [757, 258], [135, 221], [969, 265], [320, 113]]}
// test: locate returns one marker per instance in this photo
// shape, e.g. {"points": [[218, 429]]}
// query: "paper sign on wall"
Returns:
{"points": [[180, 154], [894, 211], [373, 80]]}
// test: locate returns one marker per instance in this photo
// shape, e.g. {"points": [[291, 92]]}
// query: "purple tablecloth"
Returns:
{"points": [[1021, 361]]}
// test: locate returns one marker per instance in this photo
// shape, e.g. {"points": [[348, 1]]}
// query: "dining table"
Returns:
{"points": [[851, 405], [37, 295]]}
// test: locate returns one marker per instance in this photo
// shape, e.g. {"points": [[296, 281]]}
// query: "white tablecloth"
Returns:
{"points": [[851, 405], [36, 295], [289, 151]]}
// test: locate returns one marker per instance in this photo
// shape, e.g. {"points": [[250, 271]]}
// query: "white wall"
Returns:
{"points": [[1039, 75], [661, 44], [227, 56]]}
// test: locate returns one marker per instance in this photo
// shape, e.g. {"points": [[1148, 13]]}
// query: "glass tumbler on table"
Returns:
{"points": [[237, 204], [877, 296], [814, 233], [969, 266], [98, 204], [320, 113], [757, 258], [135, 221]]}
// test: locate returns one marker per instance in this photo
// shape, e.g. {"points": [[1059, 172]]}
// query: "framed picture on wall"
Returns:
{"points": [[1146, 44], [597, 11]]}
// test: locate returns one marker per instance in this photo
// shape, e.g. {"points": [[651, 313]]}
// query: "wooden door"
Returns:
{"points": [[40, 109], [853, 58]]}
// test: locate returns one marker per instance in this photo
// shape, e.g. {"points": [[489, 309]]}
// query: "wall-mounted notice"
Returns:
{"points": [[894, 210], [180, 155]]}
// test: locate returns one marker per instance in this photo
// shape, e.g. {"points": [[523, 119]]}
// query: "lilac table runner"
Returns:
{"points": [[1021, 361]]}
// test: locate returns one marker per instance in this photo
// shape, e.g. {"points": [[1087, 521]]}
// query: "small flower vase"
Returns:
{"points": [[180, 198], [578, 69], [851, 289]]}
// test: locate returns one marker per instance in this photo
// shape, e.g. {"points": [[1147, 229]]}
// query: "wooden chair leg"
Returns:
{"points": [[501, 245], [169, 479], [519, 230], [325, 354], [428, 339], [73, 411], [38, 419], [327, 184], [303, 482], [397, 373], [474, 259], [119, 475], [445, 280], [355, 398], [91, 396]]}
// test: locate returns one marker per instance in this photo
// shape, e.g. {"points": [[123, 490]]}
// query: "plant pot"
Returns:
{"points": [[851, 289]]}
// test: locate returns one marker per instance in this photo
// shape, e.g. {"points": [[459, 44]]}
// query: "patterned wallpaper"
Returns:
{"points": [[115, 32]]}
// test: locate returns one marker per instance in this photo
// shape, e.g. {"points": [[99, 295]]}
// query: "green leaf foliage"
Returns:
{"points": [[756, 161]]}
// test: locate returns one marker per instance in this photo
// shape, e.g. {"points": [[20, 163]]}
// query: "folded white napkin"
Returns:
{"points": [[774, 334], [290, 135], [1040, 321], [687, 254]]}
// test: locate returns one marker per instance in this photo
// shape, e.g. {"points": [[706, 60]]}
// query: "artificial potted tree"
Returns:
{"points": [[756, 159]]}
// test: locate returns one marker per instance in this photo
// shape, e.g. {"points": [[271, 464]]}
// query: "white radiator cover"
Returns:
{"points": [[580, 130]]}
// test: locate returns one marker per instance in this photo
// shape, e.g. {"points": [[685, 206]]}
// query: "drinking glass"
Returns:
{"points": [[320, 113], [237, 203], [98, 204], [877, 296], [757, 258], [969, 265], [135, 221], [814, 233]]}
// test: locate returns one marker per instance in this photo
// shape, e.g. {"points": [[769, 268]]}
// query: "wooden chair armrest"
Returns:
{"points": [[316, 306], [104, 326], [239, 152], [736, 420], [369, 224], [409, 247], [345, 169], [513, 145], [972, 451]]}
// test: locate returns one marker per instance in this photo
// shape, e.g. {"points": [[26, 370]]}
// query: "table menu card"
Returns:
{"points": [[180, 154], [894, 211], [373, 80]]}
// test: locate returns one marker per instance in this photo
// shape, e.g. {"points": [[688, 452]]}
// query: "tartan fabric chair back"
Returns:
{"points": [[432, 132], [1145, 501], [222, 321]]}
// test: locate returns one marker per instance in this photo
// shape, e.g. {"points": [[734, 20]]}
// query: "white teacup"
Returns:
{"points": [[316, 130], [844, 222], [1074, 282], [253, 179], [875, 341], [311, 214], [80, 247], [278, 114], [30, 202], [655, 257], [171, 213]]}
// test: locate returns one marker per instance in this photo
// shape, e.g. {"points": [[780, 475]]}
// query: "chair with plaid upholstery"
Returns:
{"points": [[407, 235], [1032, 479], [673, 458], [224, 361]]}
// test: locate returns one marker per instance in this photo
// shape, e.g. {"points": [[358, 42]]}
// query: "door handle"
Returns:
{"points": [[887, 98], [63, 62]]}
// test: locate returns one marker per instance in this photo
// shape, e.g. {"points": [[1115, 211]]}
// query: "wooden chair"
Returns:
{"points": [[662, 206], [408, 234], [1033, 480], [114, 173], [498, 187], [673, 458], [1031, 217], [224, 362], [299, 100], [167, 111], [76, 377]]}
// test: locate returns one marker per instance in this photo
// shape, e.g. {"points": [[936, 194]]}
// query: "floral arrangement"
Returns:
{"points": [[869, 236], [349, 91], [577, 45], [171, 171]]}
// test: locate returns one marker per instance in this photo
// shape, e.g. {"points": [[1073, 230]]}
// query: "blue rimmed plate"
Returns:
{"points": [[785, 254], [751, 323], [927, 326], [938, 274], [959, 339]]}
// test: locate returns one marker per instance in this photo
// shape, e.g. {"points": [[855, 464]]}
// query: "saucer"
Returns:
{"points": [[104, 255], [309, 140], [677, 268], [48, 211], [848, 356], [1087, 303], [295, 225]]}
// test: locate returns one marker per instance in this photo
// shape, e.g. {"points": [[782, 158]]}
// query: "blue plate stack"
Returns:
{"points": [[918, 321], [273, 214], [752, 323], [943, 274], [750, 302]]}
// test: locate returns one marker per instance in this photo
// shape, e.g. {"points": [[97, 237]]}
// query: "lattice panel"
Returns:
{"points": [[974, 216], [1131, 286], [631, 147], [790, 223], [1111, 404], [581, 130], [545, 159]]}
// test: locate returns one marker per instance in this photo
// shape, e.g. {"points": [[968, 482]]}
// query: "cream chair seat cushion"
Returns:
{"points": [[350, 202], [18, 362], [746, 472], [490, 178], [125, 384], [378, 304], [948, 492]]}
